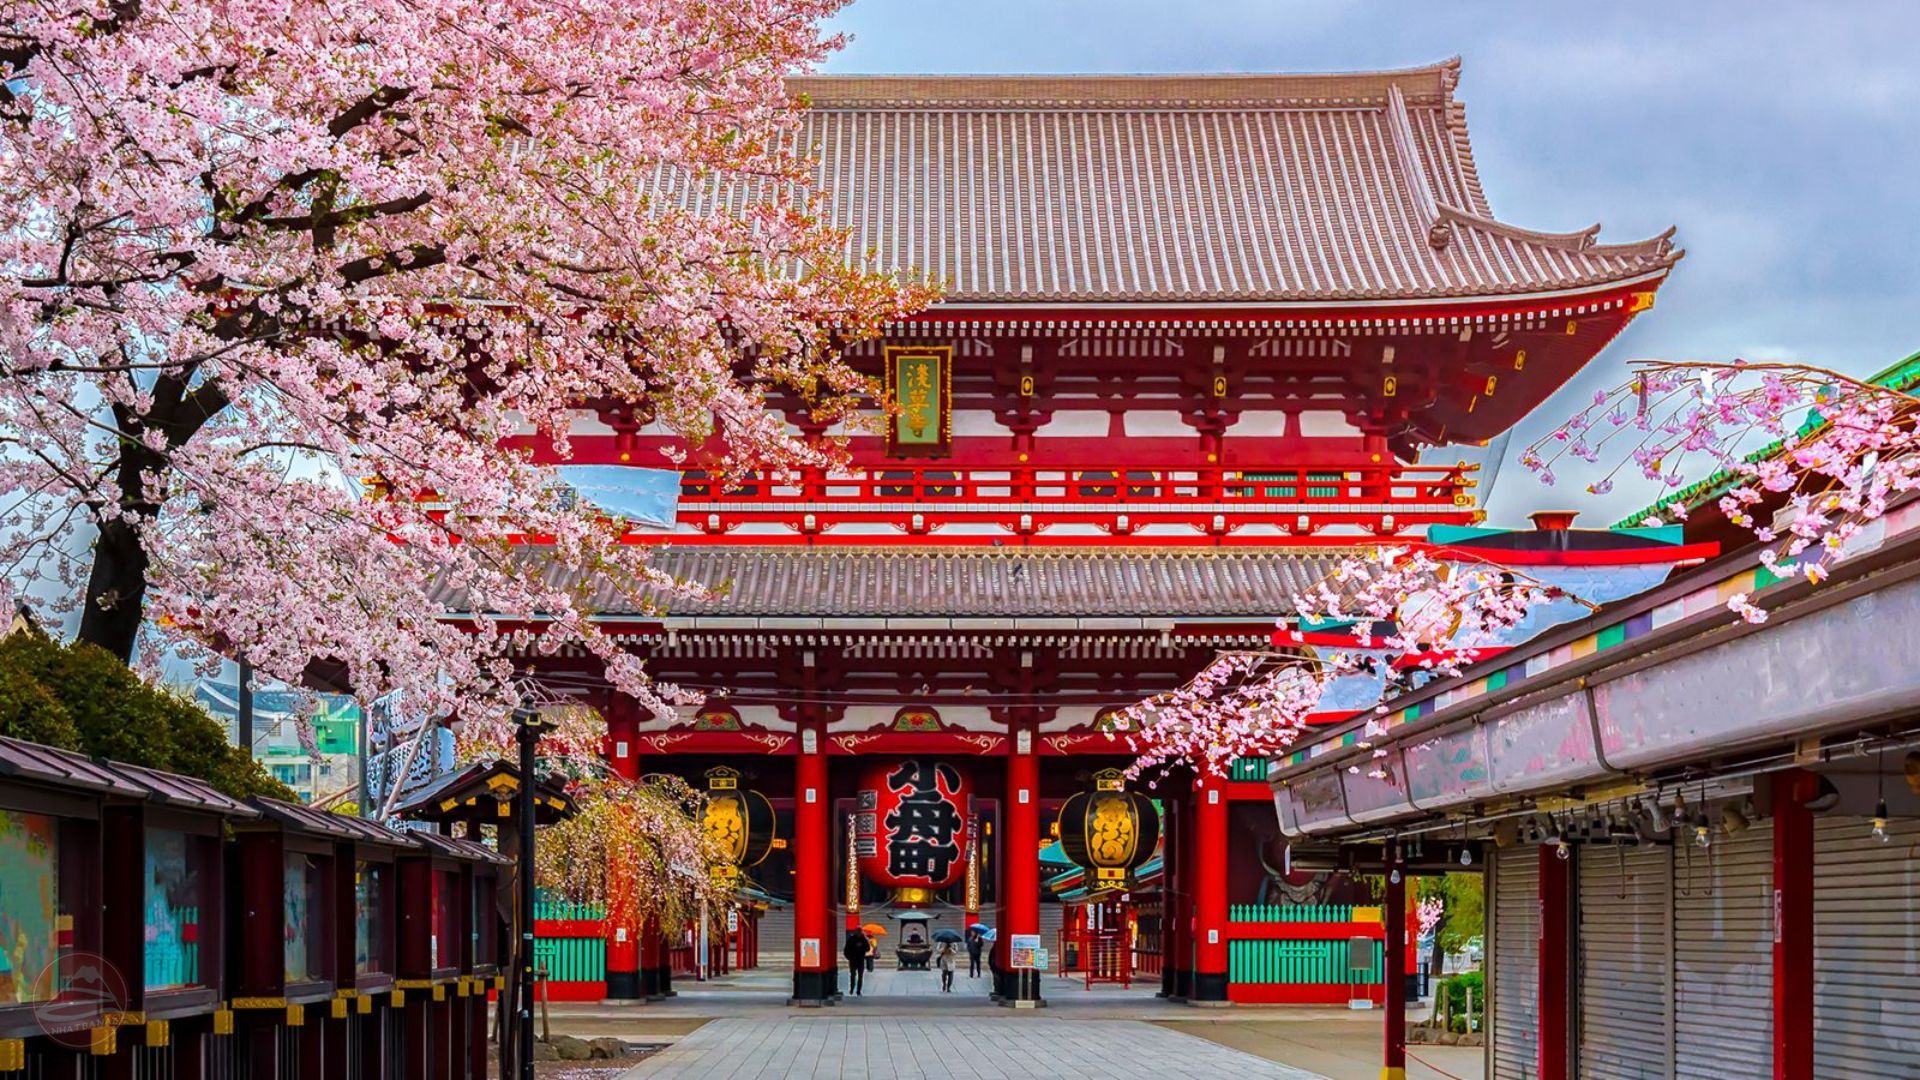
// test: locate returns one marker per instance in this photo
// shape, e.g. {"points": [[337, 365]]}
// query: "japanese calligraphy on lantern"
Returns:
{"points": [[914, 813], [919, 382]]}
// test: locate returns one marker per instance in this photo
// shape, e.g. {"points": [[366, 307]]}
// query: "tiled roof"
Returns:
{"points": [[36, 763], [1010, 583], [173, 789], [1191, 189]]}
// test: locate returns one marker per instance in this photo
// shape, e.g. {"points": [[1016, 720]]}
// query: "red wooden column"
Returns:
{"points": [[815, 974], [1793, 924], [623, 758], [1020, 856], [1556, 966], [1210, 908], [1393, 1064]]}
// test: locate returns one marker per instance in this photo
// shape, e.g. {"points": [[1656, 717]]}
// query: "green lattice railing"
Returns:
{"points": [[1314, 962], [1248, 768], [571, 959], [1266, 913]]}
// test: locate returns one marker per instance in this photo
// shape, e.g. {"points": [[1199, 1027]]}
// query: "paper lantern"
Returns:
{"points": [[740, 819], [911, 828], [1110, 831]]}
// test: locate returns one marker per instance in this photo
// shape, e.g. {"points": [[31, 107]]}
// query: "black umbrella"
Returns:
{"points": [[946, 934]]}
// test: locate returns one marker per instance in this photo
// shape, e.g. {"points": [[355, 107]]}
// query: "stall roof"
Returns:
{"points": [[36, 764], [453, 848], [184, 792], [305, 819], [372, 832]]}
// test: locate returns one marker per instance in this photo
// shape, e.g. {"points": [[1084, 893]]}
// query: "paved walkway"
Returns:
{"points": [[939, 1048]]}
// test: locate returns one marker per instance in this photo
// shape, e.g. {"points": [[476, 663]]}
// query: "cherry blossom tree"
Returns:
{"points": [[277, 279], [1842, 451], [1402, 616]]}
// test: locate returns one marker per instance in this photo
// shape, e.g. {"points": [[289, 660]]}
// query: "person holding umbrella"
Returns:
{"points": [[944, 961], [857, 949], [976, 943]]}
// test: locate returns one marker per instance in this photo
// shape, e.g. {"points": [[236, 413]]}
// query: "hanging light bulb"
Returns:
{"points": [[1562, 849], [1880, 822], [1702, 833]]}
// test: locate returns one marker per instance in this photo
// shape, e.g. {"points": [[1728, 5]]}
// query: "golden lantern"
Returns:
{"points": [[740, 820], [1109, 832]]}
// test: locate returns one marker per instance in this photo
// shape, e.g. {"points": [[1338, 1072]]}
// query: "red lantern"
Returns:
{"points": [[911, 831]]}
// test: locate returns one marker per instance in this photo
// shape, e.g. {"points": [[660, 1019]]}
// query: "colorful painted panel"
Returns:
{"points": [[300, 910], [173, 910], [370, 918], [29, 904]]}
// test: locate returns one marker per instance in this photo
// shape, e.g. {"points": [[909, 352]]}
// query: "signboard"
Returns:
{"points": [[920, 381], [1024, 952], [809, 953]]}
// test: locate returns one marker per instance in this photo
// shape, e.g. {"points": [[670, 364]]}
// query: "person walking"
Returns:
{"points": [[873, 951], [944, 961], [856, 952], [976, 944]]}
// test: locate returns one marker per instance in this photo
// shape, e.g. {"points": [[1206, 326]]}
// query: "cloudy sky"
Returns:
{"points": [[1782, 138]]}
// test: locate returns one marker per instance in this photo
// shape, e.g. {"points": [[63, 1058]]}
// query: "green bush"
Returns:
{"points": [[1454, 999], [79, 697]]}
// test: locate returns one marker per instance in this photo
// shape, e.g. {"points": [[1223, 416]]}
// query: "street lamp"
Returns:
{"points": [[529, 725]]}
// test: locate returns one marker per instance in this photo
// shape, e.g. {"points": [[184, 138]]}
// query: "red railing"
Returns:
{"points": [[920, 497], [1097, 956]]}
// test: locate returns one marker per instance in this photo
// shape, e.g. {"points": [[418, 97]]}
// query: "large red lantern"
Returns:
{"points": [[911, 829]]}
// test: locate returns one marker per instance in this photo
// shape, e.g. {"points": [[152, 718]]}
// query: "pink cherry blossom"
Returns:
{"points": [[277, 279], [1813, 456]]}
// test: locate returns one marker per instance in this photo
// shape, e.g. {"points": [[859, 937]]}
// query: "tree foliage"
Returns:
{"points": [[80, 697], [258, 260], [1463, 917]]}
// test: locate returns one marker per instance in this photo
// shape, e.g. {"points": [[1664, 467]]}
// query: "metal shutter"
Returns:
{"points": [[1723, 957], [1625, 984], [1515, 960], [1866, 949]]}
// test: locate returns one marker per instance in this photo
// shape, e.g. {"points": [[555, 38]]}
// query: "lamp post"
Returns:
{"points": [[529, 725]]}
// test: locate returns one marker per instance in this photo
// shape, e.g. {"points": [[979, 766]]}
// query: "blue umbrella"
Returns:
{"points": [[948, 934]]}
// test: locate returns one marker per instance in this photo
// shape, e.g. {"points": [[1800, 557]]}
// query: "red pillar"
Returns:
{"points": [[623, 946], [1393, 1066], [1793, 924], [1556, 987], [1020, 860], [815, 976], [1209, 890]]}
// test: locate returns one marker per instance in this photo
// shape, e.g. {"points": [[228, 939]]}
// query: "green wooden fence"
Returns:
{"points": [[1313, 962], [571, 959]]}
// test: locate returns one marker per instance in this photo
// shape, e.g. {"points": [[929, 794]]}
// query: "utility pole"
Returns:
{"points": [[243, 731]]}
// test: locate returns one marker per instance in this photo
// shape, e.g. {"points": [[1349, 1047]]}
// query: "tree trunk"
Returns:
{"points": [[116, 591]]}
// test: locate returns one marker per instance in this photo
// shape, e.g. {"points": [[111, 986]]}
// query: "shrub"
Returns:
{"points": [[79, 697], [1454, 1001]]}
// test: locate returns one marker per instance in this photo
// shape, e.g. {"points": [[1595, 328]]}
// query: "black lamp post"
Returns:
{"points": [[529, 725]]}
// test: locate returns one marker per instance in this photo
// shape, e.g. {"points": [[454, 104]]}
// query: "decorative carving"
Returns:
{"points": [[985, 744]]}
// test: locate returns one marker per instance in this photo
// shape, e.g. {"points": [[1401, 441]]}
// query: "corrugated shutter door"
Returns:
{"points": [[1723, 957], [1866, 949], [1626, 1011], [1516, 963]]}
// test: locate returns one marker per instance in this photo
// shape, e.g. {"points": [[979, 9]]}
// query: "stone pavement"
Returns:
{"points": [[740, 1026], [947, 1048]]}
